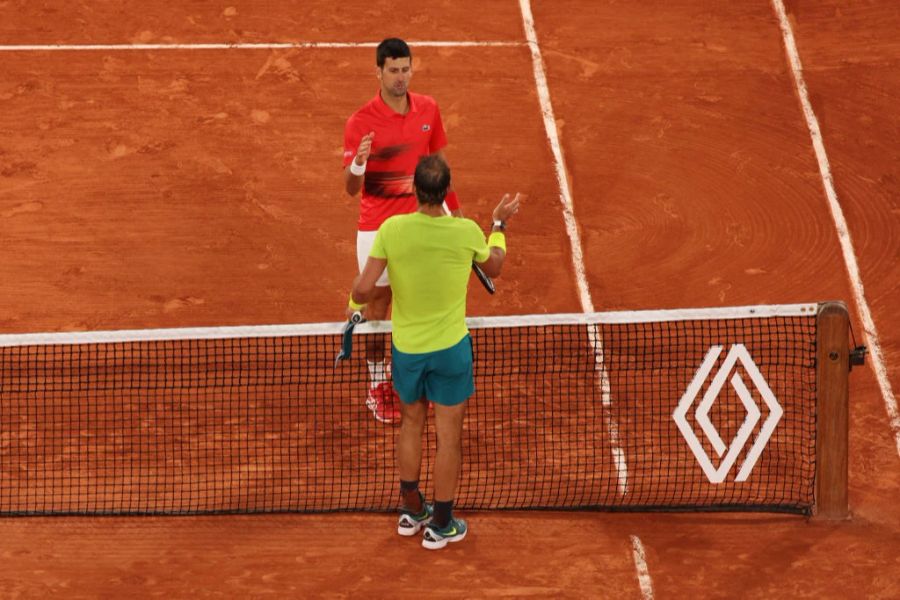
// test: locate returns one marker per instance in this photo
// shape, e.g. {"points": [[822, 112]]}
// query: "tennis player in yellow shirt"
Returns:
{"points": [[428, 256]]}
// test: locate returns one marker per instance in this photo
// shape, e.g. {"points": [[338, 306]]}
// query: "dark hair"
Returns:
{"points": [[391, 48], [432, 179]]}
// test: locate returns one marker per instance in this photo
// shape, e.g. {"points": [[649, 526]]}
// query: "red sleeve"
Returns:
{"points": [[438, 135], [452, 200], [352, 136]]}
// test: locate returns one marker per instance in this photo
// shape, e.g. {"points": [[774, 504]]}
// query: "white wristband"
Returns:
{"points": [[357, 169]]}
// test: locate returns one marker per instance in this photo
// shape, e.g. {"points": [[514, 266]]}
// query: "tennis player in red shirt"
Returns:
{"points": [[383, 142]]}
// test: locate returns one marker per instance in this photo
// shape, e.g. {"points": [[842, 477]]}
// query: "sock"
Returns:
{"points": [[443, 512], [409, 492], [379, 371]]}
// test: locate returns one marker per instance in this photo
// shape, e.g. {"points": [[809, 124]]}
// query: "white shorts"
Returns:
{"points": [[364, 241]]}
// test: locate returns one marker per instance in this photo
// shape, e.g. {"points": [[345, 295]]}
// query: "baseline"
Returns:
{"points": [[237, 46]]}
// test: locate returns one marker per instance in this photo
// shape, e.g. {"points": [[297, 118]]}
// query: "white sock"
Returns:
{"points": [[379, 371]]}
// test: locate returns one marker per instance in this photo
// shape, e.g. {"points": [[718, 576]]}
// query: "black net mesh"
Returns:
{"points": [[564, 416]]}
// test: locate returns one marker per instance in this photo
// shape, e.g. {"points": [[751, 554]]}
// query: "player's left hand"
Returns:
{"points": [[507, 207]]}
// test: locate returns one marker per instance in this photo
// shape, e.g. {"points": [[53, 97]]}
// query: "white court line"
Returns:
{"points": [[540, 77], [640, 564], [236, 46], [565, 196], [890, 401]]}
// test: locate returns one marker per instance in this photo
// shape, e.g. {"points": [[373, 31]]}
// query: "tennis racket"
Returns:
{"points": [[347, 338], [486, 281]]}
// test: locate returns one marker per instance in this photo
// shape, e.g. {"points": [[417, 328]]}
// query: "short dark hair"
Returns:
{"points": [[432, 179], [391, 48]]}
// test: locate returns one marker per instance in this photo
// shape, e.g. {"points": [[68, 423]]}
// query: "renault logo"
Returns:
{"points": [[738, 353]]}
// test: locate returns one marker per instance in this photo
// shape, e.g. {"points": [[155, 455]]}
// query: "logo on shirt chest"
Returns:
{"points": [[426, 127]]}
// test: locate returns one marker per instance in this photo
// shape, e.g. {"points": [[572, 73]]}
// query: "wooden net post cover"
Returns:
{"points": [[832, 374]]}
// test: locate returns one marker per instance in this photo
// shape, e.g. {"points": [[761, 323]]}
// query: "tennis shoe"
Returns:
{"points": [[435, 538], [384, 402], [411, 523]]}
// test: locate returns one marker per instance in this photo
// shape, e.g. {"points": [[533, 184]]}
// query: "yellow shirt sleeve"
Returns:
{"points": [[479, 243]]}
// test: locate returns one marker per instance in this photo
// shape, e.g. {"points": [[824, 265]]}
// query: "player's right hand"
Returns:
{"points": [[364, 149]]}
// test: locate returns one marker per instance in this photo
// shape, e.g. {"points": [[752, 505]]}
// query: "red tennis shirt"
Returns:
{"points": [[400, 140]]}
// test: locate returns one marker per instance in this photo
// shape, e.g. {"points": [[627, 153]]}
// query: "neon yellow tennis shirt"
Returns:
{"points": [[429, 260]]}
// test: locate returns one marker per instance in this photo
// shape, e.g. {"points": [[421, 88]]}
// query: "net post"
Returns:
{"points": [[832, 407]]}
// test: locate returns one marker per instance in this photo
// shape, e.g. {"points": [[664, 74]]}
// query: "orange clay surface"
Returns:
{"points": [[192, 188]]}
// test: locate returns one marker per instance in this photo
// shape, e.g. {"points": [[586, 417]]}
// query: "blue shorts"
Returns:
{"points": [[444, 376]]}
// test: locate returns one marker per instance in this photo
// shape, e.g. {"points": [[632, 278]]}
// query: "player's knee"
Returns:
{"points": [[448, 421], [374, 345], [375, 352]]}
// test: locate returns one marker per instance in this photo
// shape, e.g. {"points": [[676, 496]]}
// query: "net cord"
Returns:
{"points": [[311, 329]]}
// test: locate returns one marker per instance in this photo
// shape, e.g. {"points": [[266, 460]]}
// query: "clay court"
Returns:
{"points": [[179, 166]]}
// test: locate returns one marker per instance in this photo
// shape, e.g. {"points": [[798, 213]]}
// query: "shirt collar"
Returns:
{"points": [[387, 111]]}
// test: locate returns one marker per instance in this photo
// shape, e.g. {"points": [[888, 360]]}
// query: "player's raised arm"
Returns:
{"points": [[497, 240], [356, 170]]}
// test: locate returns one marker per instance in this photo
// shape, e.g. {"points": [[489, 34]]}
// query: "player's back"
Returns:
{"points": [[429, 264]]}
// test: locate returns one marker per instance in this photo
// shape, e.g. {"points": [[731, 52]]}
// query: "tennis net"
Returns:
{"points": [[710, 409]]}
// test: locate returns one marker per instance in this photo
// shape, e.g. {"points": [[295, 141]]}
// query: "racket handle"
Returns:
{"points": [[486, 281]]}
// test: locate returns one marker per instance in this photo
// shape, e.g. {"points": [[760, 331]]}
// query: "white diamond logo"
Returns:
{"points": [[737, 353]]}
